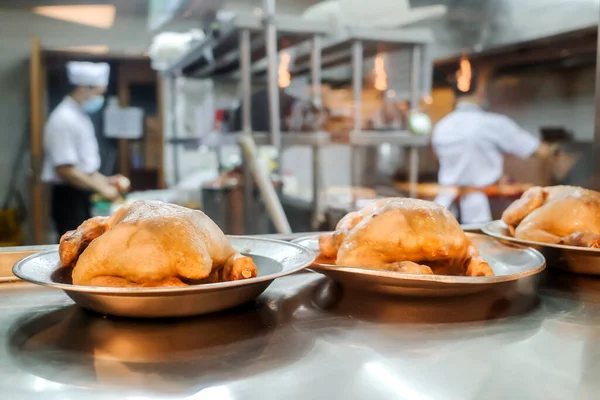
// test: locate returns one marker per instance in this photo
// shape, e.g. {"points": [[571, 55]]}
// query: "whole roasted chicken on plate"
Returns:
{"points": [[152, 244], [566, 215], [405, 235]]}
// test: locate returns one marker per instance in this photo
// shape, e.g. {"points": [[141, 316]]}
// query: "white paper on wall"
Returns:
{"points": [[123, 122], [195, 107]]}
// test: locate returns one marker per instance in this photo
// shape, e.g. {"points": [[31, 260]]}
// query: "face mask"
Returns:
{"points": [[93, 104]]}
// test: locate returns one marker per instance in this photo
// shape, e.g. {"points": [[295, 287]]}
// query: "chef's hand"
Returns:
{"points": [[121, 182], [110, 193], [546, 150]]}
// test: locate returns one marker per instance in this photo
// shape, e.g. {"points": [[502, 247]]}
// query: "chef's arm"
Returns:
{"points": [[512, 139], [546, 150], [95, 182], [100, 179]]}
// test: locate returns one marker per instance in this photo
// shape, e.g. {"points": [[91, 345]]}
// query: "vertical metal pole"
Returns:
{"points": [[174, 144], [415, 96], [244, 44], [595, 184], [413, 171], [246, 80], [315, 69], [415, 77], [357, 77], [272, 65], [316, 194], [316, 150]]}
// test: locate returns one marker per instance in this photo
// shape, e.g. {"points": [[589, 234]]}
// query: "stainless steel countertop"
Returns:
{"points": [[306, 338]]}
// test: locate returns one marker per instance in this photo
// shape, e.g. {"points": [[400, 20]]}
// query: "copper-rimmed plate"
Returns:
{"points": [[580, 260], [273, 259], [509, 262]]}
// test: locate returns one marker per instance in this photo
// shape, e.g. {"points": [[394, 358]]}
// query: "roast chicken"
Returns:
{"points": [[558, 214], [152, 244], [405, 235]]}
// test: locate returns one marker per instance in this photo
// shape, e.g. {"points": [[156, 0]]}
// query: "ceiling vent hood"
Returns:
{"points": [[474, 26]]}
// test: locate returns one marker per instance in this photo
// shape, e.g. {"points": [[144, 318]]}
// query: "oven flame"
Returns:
{"points": [[283, 75], [380, 75], [464, 75]]}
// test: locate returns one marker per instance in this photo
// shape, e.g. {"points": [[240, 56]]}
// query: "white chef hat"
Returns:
{"points": [[88, 73]]}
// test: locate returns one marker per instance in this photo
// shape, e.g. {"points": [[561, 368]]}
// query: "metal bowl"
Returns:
{"points": [[509, 262], [580, 260], [273, 259]]}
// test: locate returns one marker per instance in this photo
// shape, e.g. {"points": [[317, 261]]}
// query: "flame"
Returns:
{"points": [[283, 76], [380, 75], [464, 75]]}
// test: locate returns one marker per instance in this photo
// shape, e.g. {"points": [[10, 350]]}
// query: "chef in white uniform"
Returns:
{"points": [[470, 144], [72, 158]]}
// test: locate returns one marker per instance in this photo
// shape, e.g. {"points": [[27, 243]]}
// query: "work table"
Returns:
{"points": [[308, 338]]}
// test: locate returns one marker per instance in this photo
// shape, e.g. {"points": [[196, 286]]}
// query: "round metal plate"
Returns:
{"points": [[580, 260], [509, 262], [273, 259]]}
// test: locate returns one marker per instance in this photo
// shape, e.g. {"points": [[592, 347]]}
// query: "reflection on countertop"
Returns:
{"points": [[307, 337]]}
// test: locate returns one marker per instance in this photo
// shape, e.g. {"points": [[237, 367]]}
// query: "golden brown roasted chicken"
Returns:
{"points": [[405, 235], [150, 243], [558, 214]]}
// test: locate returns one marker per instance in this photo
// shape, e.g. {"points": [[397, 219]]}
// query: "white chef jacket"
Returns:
{"points": [[470, 144], [69, 139]]}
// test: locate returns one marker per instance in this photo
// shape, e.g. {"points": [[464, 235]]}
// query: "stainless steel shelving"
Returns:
{"points": [[249, 45], [320, 138], [338, 50], [396, 138], [221, 55]]}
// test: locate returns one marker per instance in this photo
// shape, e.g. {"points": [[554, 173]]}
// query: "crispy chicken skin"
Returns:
{"points": [[150, 243], [405, 235], [557, 214]]}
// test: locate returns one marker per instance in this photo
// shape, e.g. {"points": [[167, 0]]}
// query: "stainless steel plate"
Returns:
{"points": [[509, 262], [580, 260], [273, 259]]}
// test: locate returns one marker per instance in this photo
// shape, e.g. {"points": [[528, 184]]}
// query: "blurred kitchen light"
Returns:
{"points": [[43, 385], [93, 49], [283, 75], [380, 75], [98, 15], [213, 393], [393, 382], [464, 75]]}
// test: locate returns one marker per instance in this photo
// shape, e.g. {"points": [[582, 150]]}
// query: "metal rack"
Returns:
{"points": [[250, 39]]}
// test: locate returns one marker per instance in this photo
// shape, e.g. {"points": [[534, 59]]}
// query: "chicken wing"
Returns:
{"points": [[73, 243], [558, 215], [150, 243], [406, 235]]}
